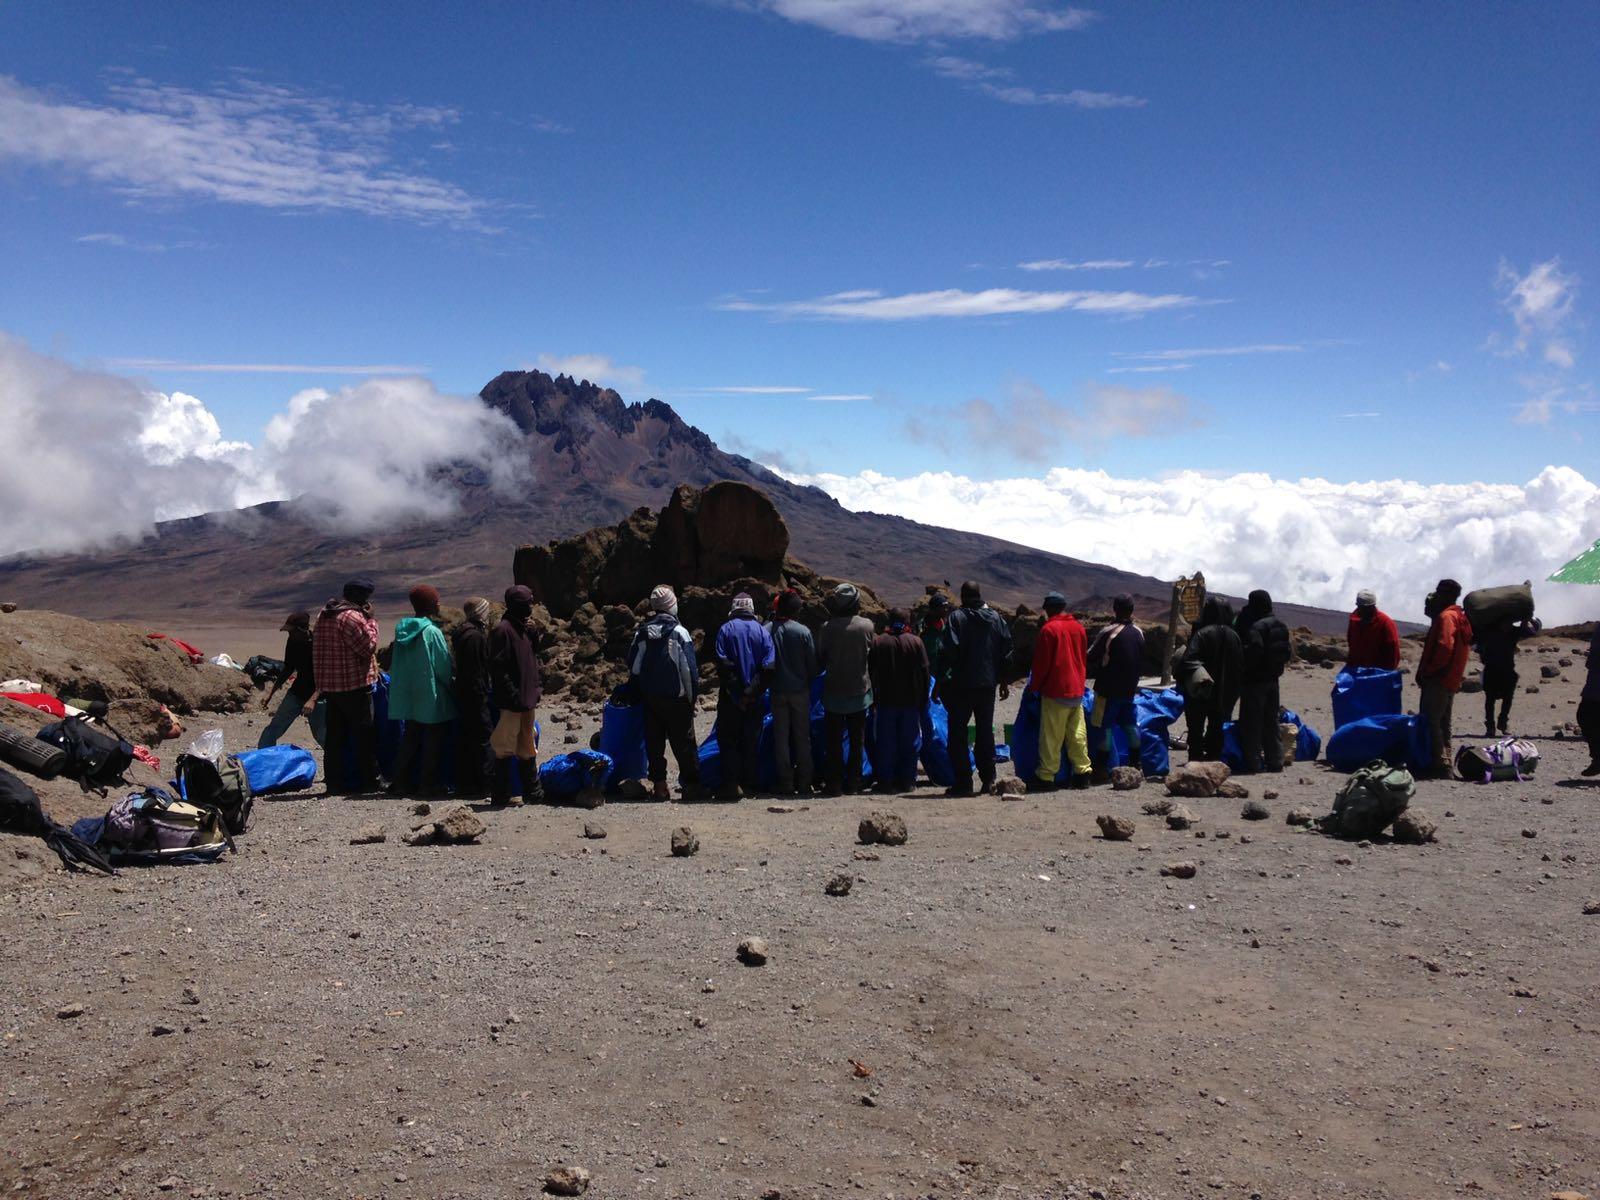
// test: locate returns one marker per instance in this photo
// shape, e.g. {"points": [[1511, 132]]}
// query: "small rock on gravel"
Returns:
{"points": [[460, 824], [1269, 794], [882, 829], [1230, 789], [1254, 810], [368, 835], [1180, 870], [421, 810], [1549, 671], [1156, 808], [1530, 833], [593, 830], [68, 1012], [1414, 827], [633, 789], [566, 1181], [1180, 816], [1592, 909], [1011, 789], [753, 952], [839, 885], [1198, 779], [1114, 828], [1298, 816], [684, 842], [1126, 779], [162, 1030]]}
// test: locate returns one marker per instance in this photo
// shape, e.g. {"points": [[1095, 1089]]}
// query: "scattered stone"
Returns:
{"points": [[1471, 685], [1245, 839], [1530, 833], [593, 830], [1011, 789], [1549, 671], [1414, 827], [69, 1012], [8, 607], [633, 789], [168, 1184], [1344, 860], [684, 842], [421, 810], [1180, 870], [866, 856], [1532, 689], [1126, 779], [1232, 789], [571, 739], [425, 834], [162, 1031], [839, 885], [566, 1181], [461, 824], [753, 952], [1198, 779], [191, 994], [882, 829], [368, 835], [1114, 828], [1156, 808], [1254, 810], [780, 809], [1181, 816], [1299, 816], [1269, 794], [1592, 909]]}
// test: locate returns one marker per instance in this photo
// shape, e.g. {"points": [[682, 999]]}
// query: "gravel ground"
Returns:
{"points": [[1035, 1011]]}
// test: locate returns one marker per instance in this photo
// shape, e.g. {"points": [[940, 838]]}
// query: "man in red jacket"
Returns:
{"points": [[1058, 677], [1373, 639], [1444, 663]]}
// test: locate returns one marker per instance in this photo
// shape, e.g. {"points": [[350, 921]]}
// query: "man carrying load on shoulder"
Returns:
{"points": [[1059, 676], [1443, 665], [1589, 705]]}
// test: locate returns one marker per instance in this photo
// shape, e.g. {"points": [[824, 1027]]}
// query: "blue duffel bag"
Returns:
{"points": [[1362, 692], [622, 741], [281, 768]]}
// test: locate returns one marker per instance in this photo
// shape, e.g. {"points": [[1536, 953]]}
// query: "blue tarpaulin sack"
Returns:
{"points": [[1386, 736], [1155, 710], [281, 768], [1307, 742], [1365, 692], [935, 753], [568, 774], [622, 741]]}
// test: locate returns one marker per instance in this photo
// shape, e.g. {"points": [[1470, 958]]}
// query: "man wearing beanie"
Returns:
{"points": [[420, 680], [1268, 649], [1058, 678], [1372, 639], [472, 690], [1444, 664], [794, 668], [1116, 661], [744, 665], [664, 675], [514, 670], [898, 664], [299, 675], [844, 648], [343, 645]]}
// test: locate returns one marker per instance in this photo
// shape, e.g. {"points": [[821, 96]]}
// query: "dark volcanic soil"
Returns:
{"points": [[1037, 1012]]}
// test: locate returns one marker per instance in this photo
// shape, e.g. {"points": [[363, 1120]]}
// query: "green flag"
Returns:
{"points": [[1583, 569]]}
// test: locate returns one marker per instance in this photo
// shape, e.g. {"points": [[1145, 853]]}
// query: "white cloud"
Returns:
{"points": [[999, 84], [1308, 540], [840, 397], [93, 459], [1208, 352], [596, 368], [1150, 369], [921, 20], [123, 242], [746, 389], [868, 305], [249, 143], [1541, 304], [1062, 264], [177, 366]]}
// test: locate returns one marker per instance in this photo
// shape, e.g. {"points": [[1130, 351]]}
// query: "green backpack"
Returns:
{"points": [[222, 785], [1369, 801]]}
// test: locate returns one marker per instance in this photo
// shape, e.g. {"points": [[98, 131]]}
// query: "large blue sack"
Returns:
{"points": [[766, 754], [281, 768], [622, 741], [1354, 745], [1365, 692], [1307, 744], [1155, 710], [568, 774]]}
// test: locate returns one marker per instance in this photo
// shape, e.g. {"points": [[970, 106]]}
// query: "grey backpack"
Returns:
{"points": [[1369, 801]]}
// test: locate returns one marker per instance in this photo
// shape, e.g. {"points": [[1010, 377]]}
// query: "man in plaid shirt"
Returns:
{"points": [[343, 648]]}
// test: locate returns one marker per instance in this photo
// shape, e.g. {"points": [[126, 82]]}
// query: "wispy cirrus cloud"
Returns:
{"points": [[1209, 352], [596, 368], [1118, 264], [123, 242], [999, 83], [1541, 303], [179, 367], [925, 20], [872, 305], [246, 142]]}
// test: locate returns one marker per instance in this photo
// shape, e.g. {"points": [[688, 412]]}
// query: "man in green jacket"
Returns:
{"points": [[420, 676]]}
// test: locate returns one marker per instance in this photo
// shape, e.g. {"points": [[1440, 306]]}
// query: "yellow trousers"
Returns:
{"points": [[1061, 724]]}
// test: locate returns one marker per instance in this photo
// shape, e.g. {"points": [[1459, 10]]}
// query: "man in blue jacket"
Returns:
{"points": [[978, 649], [744, 665]]}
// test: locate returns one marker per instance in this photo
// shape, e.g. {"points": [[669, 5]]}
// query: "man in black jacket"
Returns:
{"points": [[1267, 650], [514, 675], [474, 723], [1209, 679], [978, 644], [1116, 661]]}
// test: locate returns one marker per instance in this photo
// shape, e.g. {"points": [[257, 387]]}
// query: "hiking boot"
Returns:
{"points": [[1591, 770], [729, 793], [693, 792], [957, 792], [1038, 787], [1503, 725], [987, 788], [500, 785], [1488, 729], [532, 785], [1099, 775], [1081, 782], [659, 791]]}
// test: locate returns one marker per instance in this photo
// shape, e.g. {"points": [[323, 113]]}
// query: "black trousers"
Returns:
{"points": [[1589, 723], [352, 738], [966, 705], [1205, 730], [671, 722], [1258, 727], [474, 758], [844, 775], [738, 734], [420, 747]]}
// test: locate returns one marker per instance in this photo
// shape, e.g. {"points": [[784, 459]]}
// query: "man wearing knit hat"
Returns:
{"points": [[343, 645], [664, 675], [1372, 639], [298, 675], [474, 720], [421, 675], [514, 670], [744, 667]]}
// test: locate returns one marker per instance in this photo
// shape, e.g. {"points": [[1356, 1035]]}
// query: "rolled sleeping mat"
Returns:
{"points": [[28, 753]]}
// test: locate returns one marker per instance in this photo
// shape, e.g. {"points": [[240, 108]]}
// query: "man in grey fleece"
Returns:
{"points": [[796, 668], [843, 649]]}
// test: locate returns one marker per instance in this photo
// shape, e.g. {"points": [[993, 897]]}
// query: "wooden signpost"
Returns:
{"points": [[1188, 598]]}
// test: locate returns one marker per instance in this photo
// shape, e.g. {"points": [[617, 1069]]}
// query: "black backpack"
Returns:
{"points": [[20, 813], [225, 788], [94, 759]]}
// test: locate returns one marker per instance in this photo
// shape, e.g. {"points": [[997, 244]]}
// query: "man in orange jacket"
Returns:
{"points": [[1444, 663], [1059, 677]]}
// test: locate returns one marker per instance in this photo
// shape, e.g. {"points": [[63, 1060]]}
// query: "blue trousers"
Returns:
{"points": [[897, 740], [284, 716]]}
